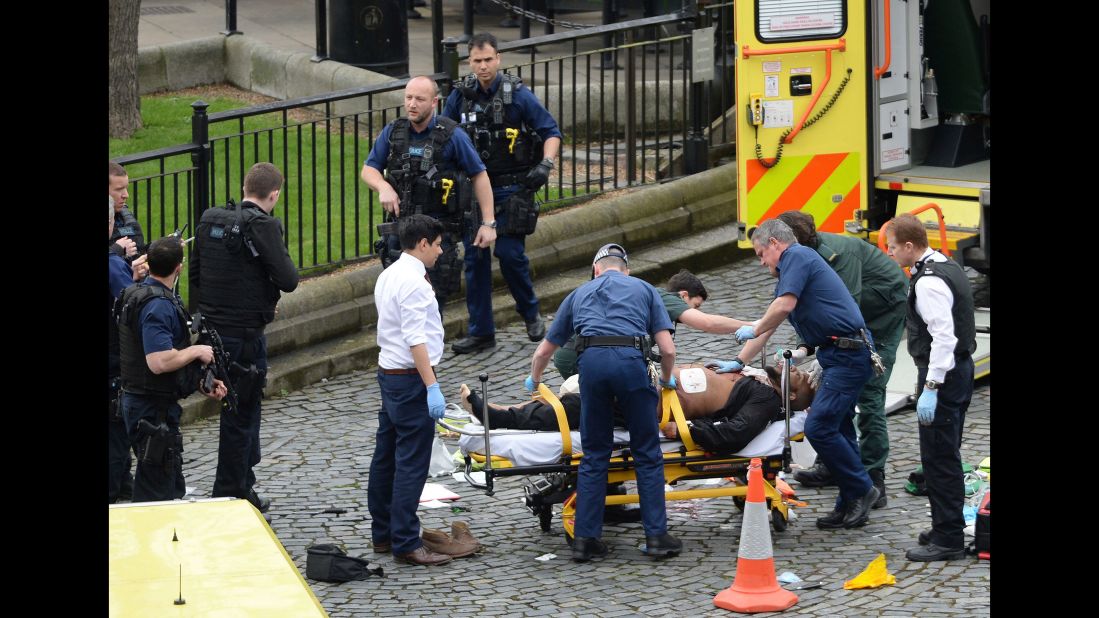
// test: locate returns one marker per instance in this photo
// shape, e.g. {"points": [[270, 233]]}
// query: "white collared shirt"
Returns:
{"points": [[408, 314], [934, 303]]}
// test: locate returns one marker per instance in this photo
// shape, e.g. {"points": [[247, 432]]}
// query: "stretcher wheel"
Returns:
{"points": [[778, 521]]}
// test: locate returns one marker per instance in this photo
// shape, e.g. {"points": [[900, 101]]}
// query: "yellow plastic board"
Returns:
{"points": [[232, 563]]}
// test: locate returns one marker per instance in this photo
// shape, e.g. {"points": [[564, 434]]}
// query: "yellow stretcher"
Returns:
{"points": [[556, 482]]}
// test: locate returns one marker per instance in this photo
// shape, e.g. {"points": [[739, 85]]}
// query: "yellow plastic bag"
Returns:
{"points": [[873, 576]]}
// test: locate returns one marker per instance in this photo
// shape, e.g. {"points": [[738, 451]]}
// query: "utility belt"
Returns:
{"points": [[503, 180], [642, 343], [844, 343]]}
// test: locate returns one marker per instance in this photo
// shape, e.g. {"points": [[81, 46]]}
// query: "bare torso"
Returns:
{"points": [[706, 403]]}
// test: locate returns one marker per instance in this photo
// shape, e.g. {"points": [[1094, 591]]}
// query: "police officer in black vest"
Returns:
{"points": [[126, 240], [120, 275], [239, 265], [159, 367], [942, 336], [431, 169], [518, 140]]}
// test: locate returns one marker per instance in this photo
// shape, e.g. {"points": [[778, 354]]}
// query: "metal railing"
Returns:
{"points": [[625, 125]]}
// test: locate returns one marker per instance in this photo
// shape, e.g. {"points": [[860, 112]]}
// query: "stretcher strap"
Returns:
{"points": [[562, 421], [670, 401]]}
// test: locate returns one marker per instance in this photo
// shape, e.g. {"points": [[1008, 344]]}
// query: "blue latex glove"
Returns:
{"points": [[925, 406], [436, 403], [725, 366], [744, 333], [530, 384], [670, 384]]}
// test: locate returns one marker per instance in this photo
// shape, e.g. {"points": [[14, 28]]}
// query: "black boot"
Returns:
{"points": [[817, 476], [878, 478]]}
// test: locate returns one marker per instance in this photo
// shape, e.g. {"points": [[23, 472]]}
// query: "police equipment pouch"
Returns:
{"points": [[383, 247], [330, 563], [157, 440], [521, 213]]}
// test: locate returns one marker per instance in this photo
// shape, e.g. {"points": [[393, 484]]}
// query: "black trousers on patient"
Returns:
{"points": [[537, 415]]}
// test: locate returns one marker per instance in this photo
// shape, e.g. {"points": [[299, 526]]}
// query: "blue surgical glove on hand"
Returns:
{"points": [[744, 333], [530, 384], [925, 406], [436, 403], [725, 366], [670, 384]]}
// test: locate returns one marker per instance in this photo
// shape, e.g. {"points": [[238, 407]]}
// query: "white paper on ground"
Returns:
{"points": [[435, 491], [478, 477]]}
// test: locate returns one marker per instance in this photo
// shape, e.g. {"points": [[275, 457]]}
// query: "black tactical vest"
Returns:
{"points": [[505, 143], [125, 224], [419, 174], [965, 328], [137, 378], [234, 288]]}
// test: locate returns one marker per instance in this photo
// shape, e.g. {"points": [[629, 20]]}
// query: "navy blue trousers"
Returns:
{"points": [[830, 426], [161, 479], [514, 266], [119, 479], [238, 435], [402, 454], [941, 456], [606, 374]]}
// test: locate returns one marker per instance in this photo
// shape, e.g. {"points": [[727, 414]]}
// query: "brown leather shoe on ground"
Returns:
{"points": [[460, 533], [384, 547], [422, 556], [440, 542]]}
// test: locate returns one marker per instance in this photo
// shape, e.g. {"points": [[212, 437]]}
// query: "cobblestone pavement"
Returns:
{"points": [[317, 445]]}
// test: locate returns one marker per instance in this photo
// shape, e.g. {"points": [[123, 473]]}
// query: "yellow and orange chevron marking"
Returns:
{"points": [[824, 186]]}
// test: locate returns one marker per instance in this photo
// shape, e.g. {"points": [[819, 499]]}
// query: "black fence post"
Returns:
{"points": [[450, 58], [230, 18], [696, 154], [631, 112], [437, 34], [322, 31], [524, 23], [467, 21], [200, 159]]}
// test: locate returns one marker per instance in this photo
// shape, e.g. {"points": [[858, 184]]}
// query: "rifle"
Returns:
{"points": [[220, 367]]}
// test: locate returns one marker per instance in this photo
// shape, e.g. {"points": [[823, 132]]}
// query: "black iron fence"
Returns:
{"points": [[627, 109]]}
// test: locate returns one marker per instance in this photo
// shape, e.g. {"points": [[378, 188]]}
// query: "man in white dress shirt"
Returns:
{"points": [[942, 337], [410, 335]]}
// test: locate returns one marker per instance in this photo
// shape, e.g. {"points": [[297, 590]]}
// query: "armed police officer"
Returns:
{"points": [[120, 275], [432, 169], [615, 318], [159, 366], [239, 266], [127, 239], [518, 140]]}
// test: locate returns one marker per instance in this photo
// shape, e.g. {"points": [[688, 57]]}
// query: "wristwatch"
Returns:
{"points": [[932, 385], [491, 224]]}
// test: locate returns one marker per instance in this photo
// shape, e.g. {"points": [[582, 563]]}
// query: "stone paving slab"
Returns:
{"points": [[317, 447]]}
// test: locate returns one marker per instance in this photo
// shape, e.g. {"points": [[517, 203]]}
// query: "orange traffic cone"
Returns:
{"points": [[755, 588]]}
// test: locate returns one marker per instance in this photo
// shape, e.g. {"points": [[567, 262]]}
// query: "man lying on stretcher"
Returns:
{"points": [[726, 410]]}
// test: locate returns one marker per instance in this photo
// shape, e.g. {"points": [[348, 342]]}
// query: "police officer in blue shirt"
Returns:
{"points": [[430, 168], [518, 140], [613, 316], [120, 275], [159, 367], [825, 316]]}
